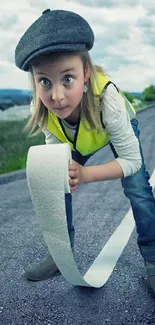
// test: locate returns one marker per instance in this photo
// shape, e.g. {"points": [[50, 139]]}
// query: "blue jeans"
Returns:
{"points": [[138, 190]]}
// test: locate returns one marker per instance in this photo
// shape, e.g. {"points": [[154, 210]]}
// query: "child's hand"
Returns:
{"points": [[76, 174]]}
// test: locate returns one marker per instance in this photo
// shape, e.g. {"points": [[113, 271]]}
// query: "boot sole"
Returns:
{"points": [[41, 279]]}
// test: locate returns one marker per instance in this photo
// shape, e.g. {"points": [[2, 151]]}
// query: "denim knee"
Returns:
{"points": [[137, 185]]}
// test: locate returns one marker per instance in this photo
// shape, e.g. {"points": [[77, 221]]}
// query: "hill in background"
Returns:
{"points": [[11, 97], [5, 92], [136, 94]]}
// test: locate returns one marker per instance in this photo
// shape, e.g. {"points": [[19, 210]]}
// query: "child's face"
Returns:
{"points": [[58, 88]]}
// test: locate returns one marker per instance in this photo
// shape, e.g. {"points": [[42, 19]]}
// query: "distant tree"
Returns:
{"points": [[149, 93], [128, 96]]}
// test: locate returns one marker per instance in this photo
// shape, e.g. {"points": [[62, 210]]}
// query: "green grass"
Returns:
{"points": [[14, 145]]}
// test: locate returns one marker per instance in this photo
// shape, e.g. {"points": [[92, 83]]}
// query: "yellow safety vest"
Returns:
{"points": [[86, 142]]}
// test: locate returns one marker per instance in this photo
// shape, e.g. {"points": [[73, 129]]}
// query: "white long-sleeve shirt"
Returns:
{"points": [[117, 122]]}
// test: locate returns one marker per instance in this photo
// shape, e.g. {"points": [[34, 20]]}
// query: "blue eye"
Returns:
{"points": [[68, 77], [46, 84]]}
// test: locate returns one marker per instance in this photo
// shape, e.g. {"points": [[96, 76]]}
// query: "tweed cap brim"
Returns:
{"points": [[51, 49], [54, 31]]}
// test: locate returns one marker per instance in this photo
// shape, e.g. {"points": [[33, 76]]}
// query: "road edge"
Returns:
{"points": [[12, 176]]}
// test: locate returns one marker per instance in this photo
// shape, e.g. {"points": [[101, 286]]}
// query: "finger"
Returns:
{"points": [[73, 182], [73, 167], [72, 174]]}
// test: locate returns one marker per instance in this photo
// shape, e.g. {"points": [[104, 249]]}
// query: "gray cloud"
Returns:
{"points": [[40, 4], [149, 6], [112, 62], [115, 61], [8, 21], [107, 3], [43, 4], [145, 22], [10, 28], [7, 48], [118, 3], [113, 33], [105, 44], [147, 27], [5, 69], [103, 51], [149, 37]]}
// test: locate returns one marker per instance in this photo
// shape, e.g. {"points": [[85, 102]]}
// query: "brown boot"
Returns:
{"points": [[43, 270]]}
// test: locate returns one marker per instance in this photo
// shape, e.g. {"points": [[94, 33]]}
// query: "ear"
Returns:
{"points": [[87, 73]]}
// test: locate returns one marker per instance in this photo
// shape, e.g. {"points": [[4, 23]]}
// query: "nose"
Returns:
{"points": [[57, 93]]}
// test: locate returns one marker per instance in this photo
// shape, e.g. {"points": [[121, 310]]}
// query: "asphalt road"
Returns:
{"points": [[98, 209]]}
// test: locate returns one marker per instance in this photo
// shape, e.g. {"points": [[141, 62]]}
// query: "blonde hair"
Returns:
{"points": [[90, 104]]}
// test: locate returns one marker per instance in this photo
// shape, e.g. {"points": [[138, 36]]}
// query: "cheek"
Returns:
{"points": [[77, 94], [43, 97]]}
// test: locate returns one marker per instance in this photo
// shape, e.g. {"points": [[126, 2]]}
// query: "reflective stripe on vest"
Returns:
{"points": [[86, 142]]}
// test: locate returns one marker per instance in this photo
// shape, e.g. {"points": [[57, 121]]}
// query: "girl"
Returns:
{"points": [[75, 102]]}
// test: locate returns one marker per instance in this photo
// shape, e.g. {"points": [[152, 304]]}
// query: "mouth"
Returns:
{"points": [[60, 108]]}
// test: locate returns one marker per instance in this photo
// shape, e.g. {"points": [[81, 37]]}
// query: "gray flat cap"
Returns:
{"points": [[53, 31]]}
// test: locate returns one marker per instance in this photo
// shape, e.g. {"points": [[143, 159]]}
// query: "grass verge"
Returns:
{"points": [[14, 145]]}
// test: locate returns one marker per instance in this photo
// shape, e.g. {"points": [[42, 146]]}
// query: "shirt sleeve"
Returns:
{"points": [[50, 138], [117, 123]]}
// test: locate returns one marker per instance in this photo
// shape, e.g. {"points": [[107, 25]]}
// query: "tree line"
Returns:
{"points": [[148, 95]]}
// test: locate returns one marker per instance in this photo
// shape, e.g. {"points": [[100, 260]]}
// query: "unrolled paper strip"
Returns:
{"points": [[48, 181]]}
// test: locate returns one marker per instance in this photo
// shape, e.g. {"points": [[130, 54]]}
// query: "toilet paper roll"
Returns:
{"points": [[48, 181]]}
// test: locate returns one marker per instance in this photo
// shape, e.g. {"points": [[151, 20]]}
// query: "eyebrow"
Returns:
{"points": [[66, 70]]}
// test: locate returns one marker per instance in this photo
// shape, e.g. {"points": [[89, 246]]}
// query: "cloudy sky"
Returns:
{"points": [[124, 38]]}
